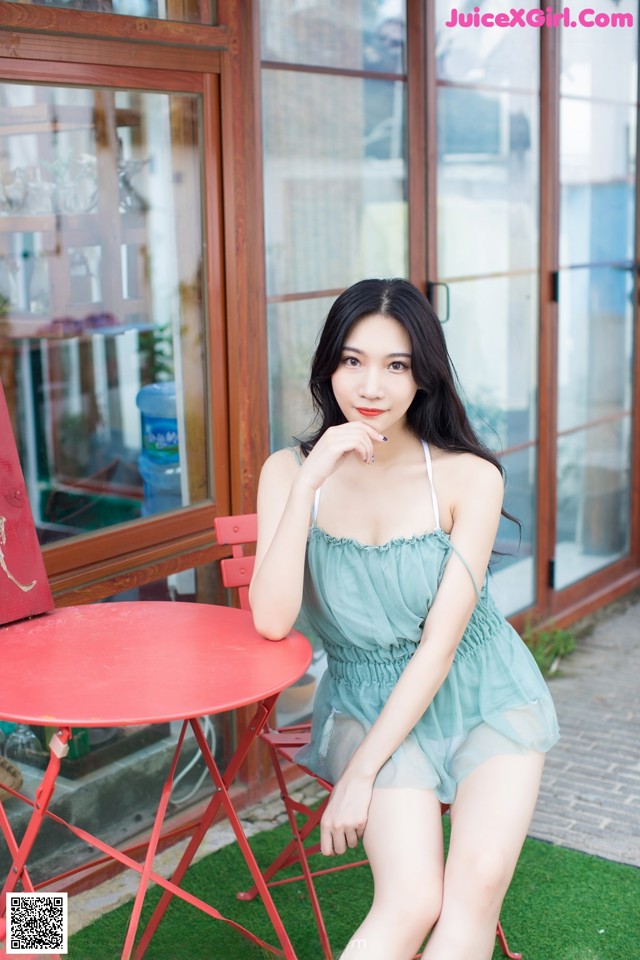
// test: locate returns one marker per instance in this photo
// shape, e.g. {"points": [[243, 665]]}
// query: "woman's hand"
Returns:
{"points": [[333, 446], [345, 818]]}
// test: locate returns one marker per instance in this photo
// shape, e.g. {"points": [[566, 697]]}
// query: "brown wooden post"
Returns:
{"points": [[244, 242]]}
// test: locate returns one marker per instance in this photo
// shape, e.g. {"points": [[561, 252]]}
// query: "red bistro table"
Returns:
{"points": [[117, 664]]}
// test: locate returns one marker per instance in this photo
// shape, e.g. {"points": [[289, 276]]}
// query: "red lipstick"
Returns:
{"points": [[368, 412]]}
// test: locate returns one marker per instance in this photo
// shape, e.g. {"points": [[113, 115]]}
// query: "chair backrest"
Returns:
{"points": [[237, 569], [24, 587]]}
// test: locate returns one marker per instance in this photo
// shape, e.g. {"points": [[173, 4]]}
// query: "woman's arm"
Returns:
{"points": [[476, 518], [284, 507], [285, 497]]}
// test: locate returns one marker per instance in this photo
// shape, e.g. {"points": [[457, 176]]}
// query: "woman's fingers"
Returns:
{"points": [[365, 450], [352, 836], [359, 437], [344, 821], [337, 840], [326, 840], [335, 444]]}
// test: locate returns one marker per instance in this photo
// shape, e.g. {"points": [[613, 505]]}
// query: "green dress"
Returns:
{"points": [[367, 604]]}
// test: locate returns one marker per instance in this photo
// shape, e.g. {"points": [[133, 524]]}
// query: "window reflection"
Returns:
{"points": [[360, 35], [597, 296], [488, 252], [293, 328], [504, 57], [487, 182], [513, 573], [595, 333], [598, 158], [492, 339], [335, 181], [593, 499], [602, 63], [101, 302]]}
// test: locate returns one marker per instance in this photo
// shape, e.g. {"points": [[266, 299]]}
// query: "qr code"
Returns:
{"points": [[37, 923]]}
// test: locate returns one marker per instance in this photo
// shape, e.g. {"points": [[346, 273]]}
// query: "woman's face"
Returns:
{"points": [[373, 382]]}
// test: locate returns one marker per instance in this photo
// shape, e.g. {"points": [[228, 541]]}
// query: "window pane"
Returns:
{"points": [[335, 180], [293, 328], [602, 62], [101, 309], [513, 575], [492, 339], [186, 11], [594, 471], [351, 34], [597, 172], [595, 342], [487, 182], [508, 57]]}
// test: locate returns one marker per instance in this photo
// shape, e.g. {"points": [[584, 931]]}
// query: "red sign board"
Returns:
{"points": [[24, 588]]}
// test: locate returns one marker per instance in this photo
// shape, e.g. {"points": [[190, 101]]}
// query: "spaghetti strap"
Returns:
{"points": [[468, 568], [314, 510], [434, 499]]}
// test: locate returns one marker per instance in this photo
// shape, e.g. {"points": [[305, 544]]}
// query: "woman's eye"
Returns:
{"points": [[398, 365], [351, 361]]}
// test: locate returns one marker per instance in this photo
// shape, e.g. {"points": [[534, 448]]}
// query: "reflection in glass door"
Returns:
{"points": [[101, 302], [596, 297], [487, 253]]}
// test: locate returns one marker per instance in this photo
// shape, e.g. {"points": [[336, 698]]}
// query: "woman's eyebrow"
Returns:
{"points": [[361, 352]]}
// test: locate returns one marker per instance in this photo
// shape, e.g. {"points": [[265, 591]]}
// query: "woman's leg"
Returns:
{"points": [[489, 822], [403, 841]]}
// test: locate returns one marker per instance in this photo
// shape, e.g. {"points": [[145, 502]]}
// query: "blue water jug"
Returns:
{"points": [[159, 461]]}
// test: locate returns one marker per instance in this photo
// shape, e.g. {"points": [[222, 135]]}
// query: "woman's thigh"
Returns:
{"points": [[489, 821], [403, 841]]}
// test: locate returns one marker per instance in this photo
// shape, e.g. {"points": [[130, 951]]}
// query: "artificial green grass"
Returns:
{"points": [[562, 905]]}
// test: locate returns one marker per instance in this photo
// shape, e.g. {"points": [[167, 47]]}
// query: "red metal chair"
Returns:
{"points": [[283, 743]]}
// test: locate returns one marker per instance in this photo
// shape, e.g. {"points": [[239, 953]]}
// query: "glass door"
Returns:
{"points": [[596, 296], [488, 95]]}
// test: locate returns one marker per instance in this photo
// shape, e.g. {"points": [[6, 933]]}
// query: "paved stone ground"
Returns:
{"points": [[590, 795]]}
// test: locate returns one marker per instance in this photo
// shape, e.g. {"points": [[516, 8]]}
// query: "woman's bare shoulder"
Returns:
{"points": [[461, 462], [462, 472], [283, 464]]}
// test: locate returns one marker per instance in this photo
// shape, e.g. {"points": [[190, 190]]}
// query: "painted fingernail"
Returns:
{"points": [[384, 438], [373, 459]]}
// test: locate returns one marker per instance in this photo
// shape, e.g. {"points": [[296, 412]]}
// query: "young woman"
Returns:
{"points": [[379, 528]]}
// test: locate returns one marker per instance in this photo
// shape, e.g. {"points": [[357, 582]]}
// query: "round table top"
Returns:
{"points": [[115, 664]]}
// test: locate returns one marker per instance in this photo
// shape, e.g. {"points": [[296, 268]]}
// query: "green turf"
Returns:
{"points": [[562, 905]]}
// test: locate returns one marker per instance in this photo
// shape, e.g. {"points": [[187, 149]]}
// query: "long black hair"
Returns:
{"points": [[437, 413]]}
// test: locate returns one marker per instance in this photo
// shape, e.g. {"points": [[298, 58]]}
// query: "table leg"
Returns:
{"points": [[250, 860], [151, 849], [14, 849], [223, 783], [18, 873]]}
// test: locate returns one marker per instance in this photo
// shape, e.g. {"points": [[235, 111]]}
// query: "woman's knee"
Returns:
{"points": [[482, 877], [415, 906]]}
